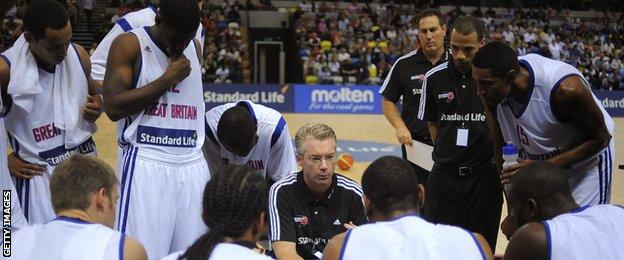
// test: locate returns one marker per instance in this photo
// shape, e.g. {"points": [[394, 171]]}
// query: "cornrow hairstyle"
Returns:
{"points": [[233, 199]]}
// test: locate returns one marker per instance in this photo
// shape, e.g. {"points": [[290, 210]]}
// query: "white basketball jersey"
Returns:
{"points": [[67, 239], [17, 216], [595, 232], [137, 19], [273, 154], [226, 251], [175, 123], [33, 136], [410, 237], [533, 127]]}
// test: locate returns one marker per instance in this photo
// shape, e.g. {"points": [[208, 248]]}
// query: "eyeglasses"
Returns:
{"points": [[317, 159]]}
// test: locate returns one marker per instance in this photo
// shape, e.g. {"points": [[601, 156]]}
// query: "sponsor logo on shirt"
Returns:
{"points": [[449, 96], [301, 220], [60, 153]]}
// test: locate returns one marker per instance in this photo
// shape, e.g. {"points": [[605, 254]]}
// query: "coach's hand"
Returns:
{"points": [[508, 172], [404, 136], [23, 169], [349, 225], [93, 108], [178, 69]]}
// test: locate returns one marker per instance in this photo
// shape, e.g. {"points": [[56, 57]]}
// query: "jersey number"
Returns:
{"points": [[524, 139]]}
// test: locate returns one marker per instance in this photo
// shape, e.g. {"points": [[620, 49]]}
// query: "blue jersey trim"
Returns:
{"points": [[344, 245], [527, 100], [123, 23], [122, 243], [278, 131], [548, 240]]}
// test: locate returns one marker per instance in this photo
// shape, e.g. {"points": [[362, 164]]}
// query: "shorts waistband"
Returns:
{"points": [[169, 159]]}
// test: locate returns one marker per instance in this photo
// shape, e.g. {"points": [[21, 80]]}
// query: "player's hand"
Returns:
{"points": [[508, 227], [349, 225], [404, 136], [93, 108], [178, 69], [23, 169], [510, 171]]}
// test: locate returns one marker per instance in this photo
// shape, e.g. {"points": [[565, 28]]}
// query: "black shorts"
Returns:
{"points": [[471, 198]]}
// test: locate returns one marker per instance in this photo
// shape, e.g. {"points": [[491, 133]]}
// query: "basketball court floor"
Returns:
{"points": [[365, 130]]}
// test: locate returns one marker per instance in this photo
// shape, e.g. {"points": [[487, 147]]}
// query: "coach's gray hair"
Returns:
{"points": [[315, 131], [77, 178]]}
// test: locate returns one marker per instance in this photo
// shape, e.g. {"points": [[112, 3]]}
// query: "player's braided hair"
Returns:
{"points": [[233, 199]]}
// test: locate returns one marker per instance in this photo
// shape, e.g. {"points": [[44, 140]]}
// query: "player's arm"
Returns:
{"points": [[429, 110], [93, 107], [133, 250], [529, 242], [484, 246], [574, 101], [433, 131], [496, 133], [403, 134], [122, 100], [333, 249], [17, 166], [282, 233]]}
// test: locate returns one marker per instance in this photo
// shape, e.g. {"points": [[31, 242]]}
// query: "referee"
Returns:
{"points": [[405, 80], [464, 188]]}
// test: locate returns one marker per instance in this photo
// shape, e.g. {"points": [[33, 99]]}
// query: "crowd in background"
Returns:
{"points": [[358, 44]]}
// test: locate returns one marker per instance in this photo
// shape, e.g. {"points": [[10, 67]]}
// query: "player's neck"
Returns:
{"points": [[560, 208], [76, 213], [397, 213], [434, 56], [522, 84]]}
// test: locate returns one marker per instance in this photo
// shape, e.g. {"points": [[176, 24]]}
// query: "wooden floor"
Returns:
{"points": [[372, 128]]}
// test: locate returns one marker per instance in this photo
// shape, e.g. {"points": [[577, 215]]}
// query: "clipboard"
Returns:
{"points": [[420, 154]]}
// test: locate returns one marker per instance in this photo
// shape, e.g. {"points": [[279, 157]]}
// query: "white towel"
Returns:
{"points": [[70, 90]]}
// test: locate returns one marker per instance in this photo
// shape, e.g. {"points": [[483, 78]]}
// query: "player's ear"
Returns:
{"points": [[157, 19], [421, 196], [29, 37], [511, 75]]}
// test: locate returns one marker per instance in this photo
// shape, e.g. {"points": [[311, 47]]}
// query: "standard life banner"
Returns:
{"points": [[612, 101], [280, 98], [331, 99]]}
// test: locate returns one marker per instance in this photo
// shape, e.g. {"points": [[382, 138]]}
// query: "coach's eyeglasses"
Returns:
{"points": [[317, 159]]}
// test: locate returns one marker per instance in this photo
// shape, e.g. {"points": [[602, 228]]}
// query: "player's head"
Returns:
{"points": [[85, 183], [235, 202], [495, 67], [466, 39], [316, 153], [48, 31], [178, 21], [536, 191], [390, 185], [237, 130], [431, 30]]}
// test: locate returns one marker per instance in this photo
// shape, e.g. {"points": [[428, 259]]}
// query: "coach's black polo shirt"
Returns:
{"points": [[405, 79], [453, 103], [296, 216]]}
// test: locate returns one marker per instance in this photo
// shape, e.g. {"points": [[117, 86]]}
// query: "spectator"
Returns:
{"points": [[223, 74]]}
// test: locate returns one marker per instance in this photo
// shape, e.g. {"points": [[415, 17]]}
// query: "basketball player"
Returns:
{"points": [[38, 141], [137, 19], [17, 216], [400, 233], [558, 228], [235, 204], [546, 108], [246, 133], [153, 90], [84, 191]]}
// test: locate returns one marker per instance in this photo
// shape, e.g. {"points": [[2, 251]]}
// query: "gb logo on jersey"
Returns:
{"points": [[449, 96]]}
